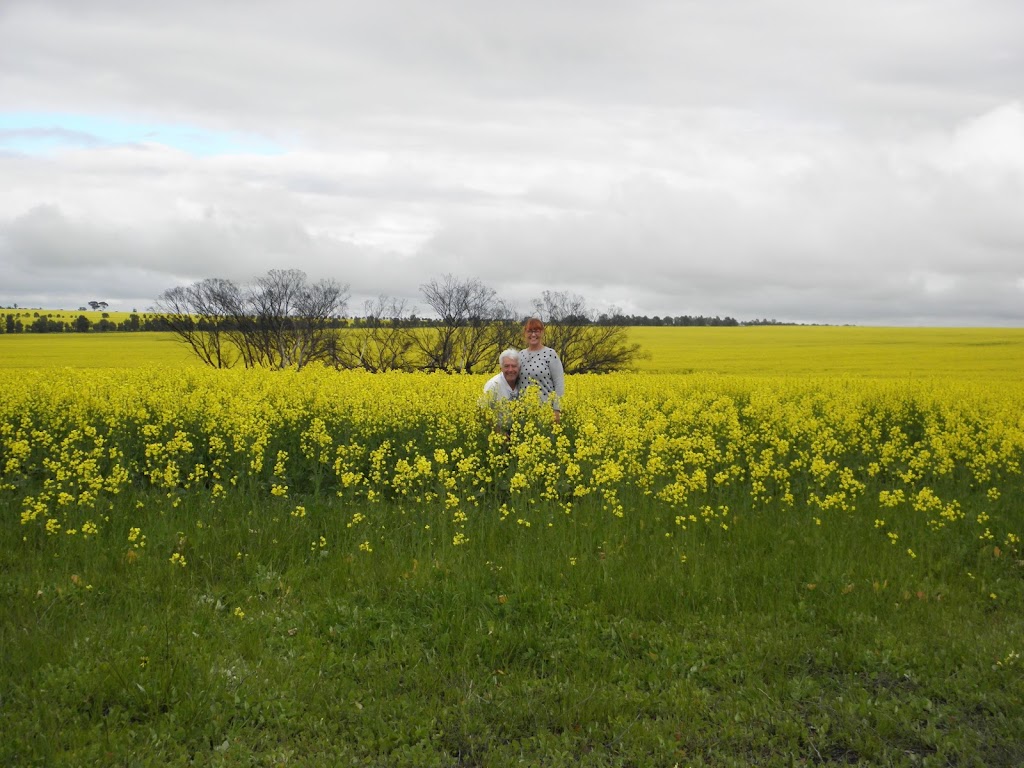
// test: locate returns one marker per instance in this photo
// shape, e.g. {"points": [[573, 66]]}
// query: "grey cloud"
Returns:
{"points": [[788, 159]]}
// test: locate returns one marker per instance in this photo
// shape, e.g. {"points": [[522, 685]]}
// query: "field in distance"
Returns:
{"points": [[29, 316], [113, 349], [900, 353], [990, 353]]}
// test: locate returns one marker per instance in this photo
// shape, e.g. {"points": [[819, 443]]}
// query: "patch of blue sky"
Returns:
{"points": [[41, 132]]}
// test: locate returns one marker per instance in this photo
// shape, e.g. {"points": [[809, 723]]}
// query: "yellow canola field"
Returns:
{"points": [[898, 353], [687, 450], [112, 349]]}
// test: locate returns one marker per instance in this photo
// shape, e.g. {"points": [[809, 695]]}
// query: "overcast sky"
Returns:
{"points": [[809, 161]]}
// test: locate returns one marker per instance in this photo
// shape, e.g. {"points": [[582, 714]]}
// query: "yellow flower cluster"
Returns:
{"points": [[692, 446]]}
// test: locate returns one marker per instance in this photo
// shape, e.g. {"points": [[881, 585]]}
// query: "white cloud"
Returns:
{"points": [[784, 159]]}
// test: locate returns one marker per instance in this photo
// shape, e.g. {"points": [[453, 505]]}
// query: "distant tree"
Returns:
{"points": [[82, 324], [382, 340], [280, 321], [46, 324], [155, 322], [202, 315], [294, 319], [585, 342], [473, 324]]}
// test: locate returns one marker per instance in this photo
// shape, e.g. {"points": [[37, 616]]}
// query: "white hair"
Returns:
{"points": [[508, 353]]}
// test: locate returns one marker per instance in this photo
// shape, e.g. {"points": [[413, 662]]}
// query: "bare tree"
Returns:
{"points": [[472, 322], [201, 315], [282, 320], [293, 318], [505, 331], [382, 342], [239, 323], [583, 345]]}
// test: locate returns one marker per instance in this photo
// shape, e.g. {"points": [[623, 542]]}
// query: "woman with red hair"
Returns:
{"points": [[540, 366]]}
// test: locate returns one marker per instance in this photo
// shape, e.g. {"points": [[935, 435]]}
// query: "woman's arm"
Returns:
{"points": [[558, 379]]}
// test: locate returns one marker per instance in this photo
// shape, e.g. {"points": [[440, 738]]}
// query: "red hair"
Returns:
{"points": [[533, 324]]}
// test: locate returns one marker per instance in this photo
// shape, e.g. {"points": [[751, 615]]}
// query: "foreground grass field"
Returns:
{"points": [[258, 568]]}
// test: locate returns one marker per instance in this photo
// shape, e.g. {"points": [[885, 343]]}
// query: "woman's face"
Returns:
{"points": [[534, 338]]}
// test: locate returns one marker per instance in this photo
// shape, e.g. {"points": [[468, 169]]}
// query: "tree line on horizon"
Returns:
{"points": [[40, 321], [282, 320]]}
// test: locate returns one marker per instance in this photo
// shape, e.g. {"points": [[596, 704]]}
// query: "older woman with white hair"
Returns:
{"points": [[504, 385], [502, 388]]}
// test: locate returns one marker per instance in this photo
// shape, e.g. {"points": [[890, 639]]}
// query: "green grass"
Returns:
{"points": [[591, 642]]}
